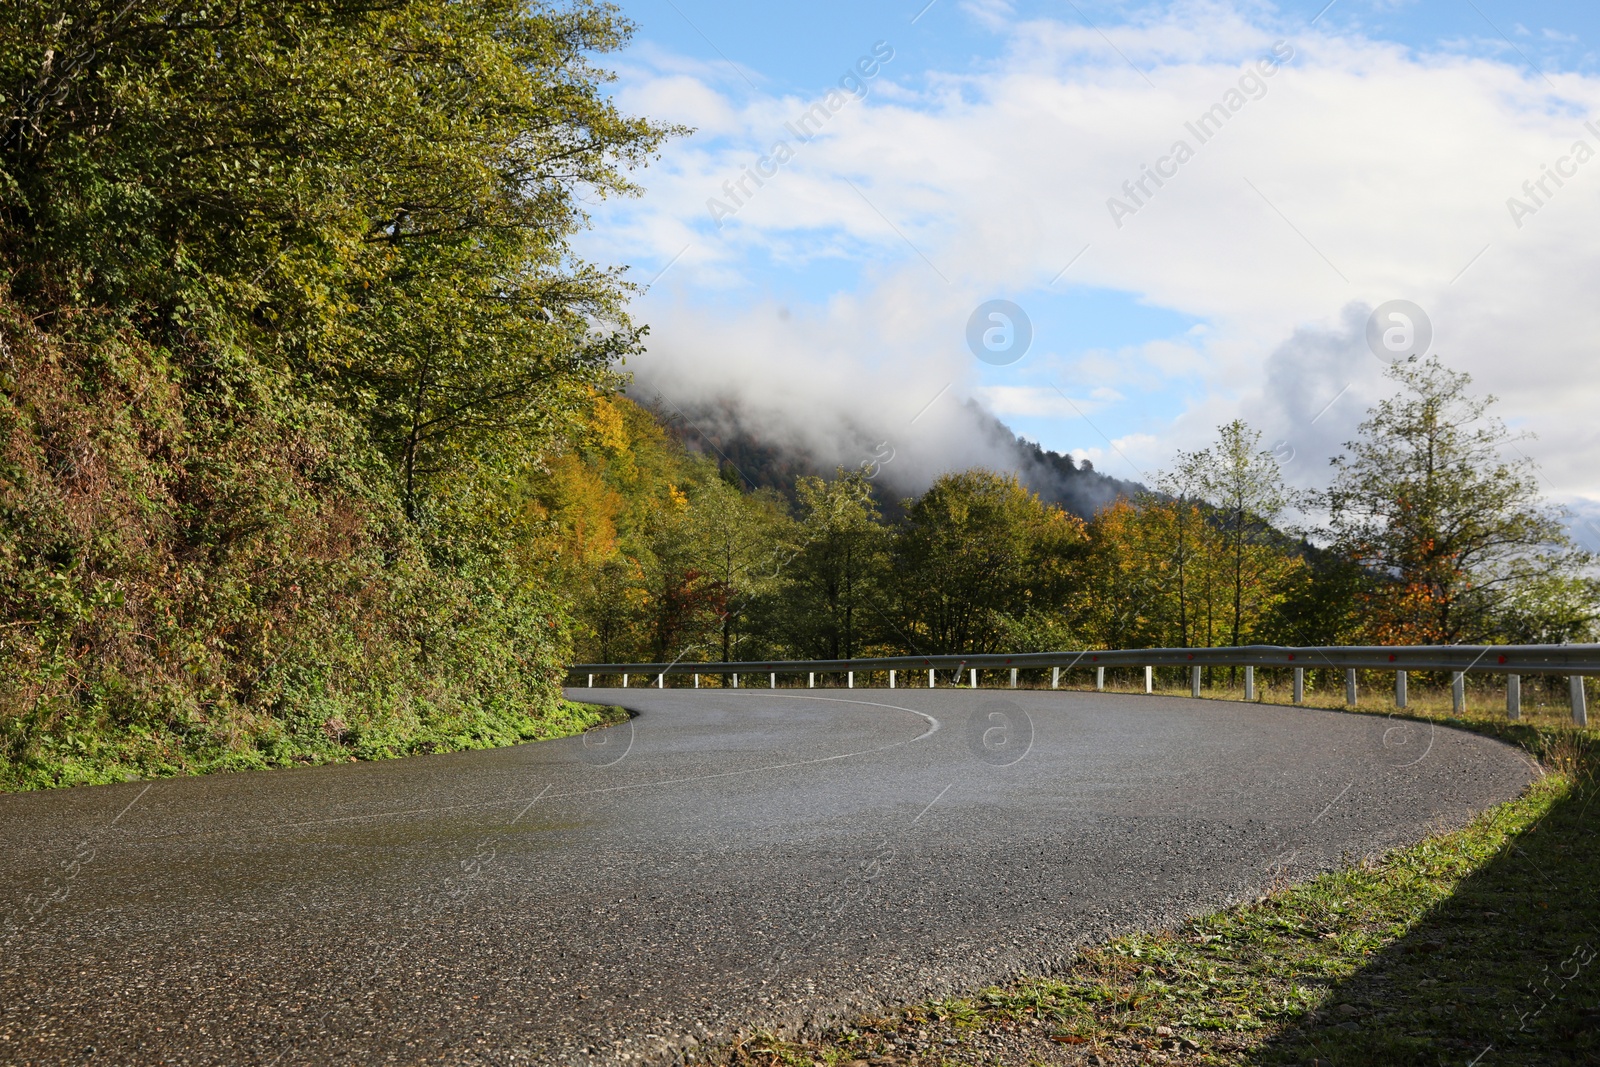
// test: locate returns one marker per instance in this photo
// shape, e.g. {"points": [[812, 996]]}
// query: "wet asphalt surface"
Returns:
{"points": [[727, 860]]}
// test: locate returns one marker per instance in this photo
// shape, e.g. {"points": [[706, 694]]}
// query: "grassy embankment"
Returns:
{"points": [[91, 754], [1474, 947]]}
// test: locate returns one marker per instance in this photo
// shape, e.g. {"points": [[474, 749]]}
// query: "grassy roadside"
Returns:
{"points": [[1475, 947], [90, 756]]}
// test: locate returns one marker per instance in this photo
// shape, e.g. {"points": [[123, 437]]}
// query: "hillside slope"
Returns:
{"points": [[729, 434]]}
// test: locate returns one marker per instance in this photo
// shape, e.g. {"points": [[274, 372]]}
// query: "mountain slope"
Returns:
{"points": [[759, 458]]}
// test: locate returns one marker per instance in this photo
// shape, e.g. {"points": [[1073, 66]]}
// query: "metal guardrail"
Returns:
{"points": [[1572, 661], [1478, 659]]}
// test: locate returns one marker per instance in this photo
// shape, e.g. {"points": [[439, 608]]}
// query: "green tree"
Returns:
{"points": [[976, 553], [376, 200], [612, 602], [832, 596], [735, 534], [1152, 575], [1126, 578], [1427, 500], [1319, 602], [1244, 487], [1184, 482]]}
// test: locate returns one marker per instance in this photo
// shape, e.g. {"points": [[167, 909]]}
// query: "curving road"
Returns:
{"points": [[725, 860]]}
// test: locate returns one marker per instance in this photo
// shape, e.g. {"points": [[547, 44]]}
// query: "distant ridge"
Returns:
{"points": [[722, 430]]}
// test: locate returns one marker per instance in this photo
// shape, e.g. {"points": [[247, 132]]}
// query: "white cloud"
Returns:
{"points": [[1027, 401], [1365, 172]]}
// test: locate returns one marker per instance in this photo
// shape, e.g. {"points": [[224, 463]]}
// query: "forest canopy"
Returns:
{"points": [[1425, 534]]}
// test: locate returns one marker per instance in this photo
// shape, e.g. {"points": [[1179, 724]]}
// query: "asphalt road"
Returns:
{"points": [[726, 860]]}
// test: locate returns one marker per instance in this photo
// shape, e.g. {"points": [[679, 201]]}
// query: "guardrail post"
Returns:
{"points": [[736, 679], [974, 677], [1458, 692], [1055, 677], [1249, 683], [1099, 679], [1350, 687], [849, 679], [930, 677], [1299, 685], [891, 679], [591, 681], [1013, 677], [1399, 689], [772, 682], [1149, 679], [1194, 682], [697, 680], [811, 680], [661, 680], [624, 679], [1513, 696], [1580, 703]]}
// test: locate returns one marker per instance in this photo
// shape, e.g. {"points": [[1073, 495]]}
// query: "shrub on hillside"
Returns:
{"points": [[198, 569]]}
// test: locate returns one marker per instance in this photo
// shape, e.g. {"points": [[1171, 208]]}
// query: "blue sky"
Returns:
{"points": [[800, 47], [1376, 164]]}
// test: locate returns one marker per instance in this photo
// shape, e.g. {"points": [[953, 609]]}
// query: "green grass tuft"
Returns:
{"points": [[95, 753]]}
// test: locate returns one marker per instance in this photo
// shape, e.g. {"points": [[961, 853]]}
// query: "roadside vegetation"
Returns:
{"points": [[1479, 947], [79, 754], [287, 314], [1426, 533]]}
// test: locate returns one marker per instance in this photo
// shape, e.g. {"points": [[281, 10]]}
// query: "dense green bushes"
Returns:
{"points": [[203, 573], [290, 307]]}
